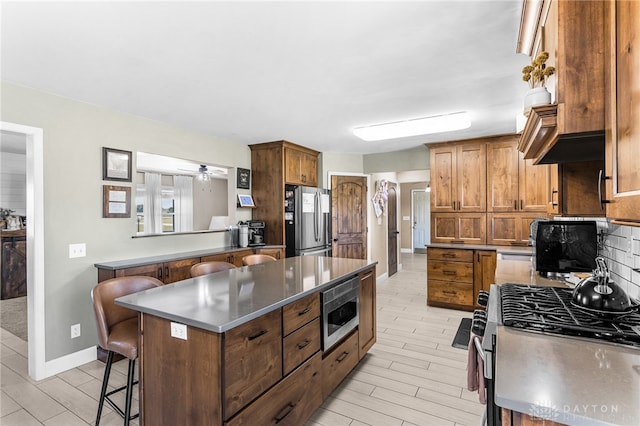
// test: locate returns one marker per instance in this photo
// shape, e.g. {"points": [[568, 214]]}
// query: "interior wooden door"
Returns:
{"points": [[392, 229], [349, 216]]}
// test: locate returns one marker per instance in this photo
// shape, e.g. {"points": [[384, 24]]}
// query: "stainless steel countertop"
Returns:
{"points": [[569, 380], [223, 300]]}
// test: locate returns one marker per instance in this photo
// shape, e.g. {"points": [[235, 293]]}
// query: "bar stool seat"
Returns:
{"points": [[255, 259], [118, 334], [210, 267]]}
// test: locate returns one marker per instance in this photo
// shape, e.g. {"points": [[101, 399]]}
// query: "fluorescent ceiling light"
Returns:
{"points": [[414, 127]]}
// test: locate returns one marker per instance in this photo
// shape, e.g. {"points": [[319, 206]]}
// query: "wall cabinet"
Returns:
{"points": [[461, 228], [513, 183], [455, 276], [458, 177], [273, 165], [572, 128], [623, 111]]}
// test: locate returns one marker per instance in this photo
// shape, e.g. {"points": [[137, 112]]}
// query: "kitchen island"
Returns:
{"points": [[244, 346]]}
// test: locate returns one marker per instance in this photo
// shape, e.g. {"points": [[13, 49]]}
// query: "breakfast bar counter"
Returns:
{"points": [[260, 344]]}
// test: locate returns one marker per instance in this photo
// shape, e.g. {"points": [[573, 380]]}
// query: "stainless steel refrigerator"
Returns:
{"points": [[307, 221]]}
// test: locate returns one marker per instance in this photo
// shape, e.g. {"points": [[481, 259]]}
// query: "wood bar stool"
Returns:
{"points": [[210, 267], [254, 259], [118, 333]]}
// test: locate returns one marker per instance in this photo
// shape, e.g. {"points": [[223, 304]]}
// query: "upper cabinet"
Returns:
{"points": [[513, 183], [623, 111], [572, 128], [458, 177], [273, 165]]}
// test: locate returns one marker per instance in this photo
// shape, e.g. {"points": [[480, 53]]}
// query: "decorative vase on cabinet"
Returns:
{"points": [[535, 97]]}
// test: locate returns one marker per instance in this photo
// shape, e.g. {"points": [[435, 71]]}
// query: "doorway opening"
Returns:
{"points": [[421, 218]]}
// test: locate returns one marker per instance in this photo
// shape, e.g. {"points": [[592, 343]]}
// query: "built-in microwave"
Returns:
{"points": [[339, 311]]}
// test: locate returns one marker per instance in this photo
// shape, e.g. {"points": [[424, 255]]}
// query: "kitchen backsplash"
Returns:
{"points": [[621, 246]]}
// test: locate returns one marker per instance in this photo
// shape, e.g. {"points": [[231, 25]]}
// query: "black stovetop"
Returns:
{"points": [[549, 310]]}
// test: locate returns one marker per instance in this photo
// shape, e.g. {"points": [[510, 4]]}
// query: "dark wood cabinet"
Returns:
{"points": [[273, 165], [337, 364], [506, 229], [367, 313], [166, 272], [232, 257], [13, 269], [277, 253], [459, 228], [455, 276]]}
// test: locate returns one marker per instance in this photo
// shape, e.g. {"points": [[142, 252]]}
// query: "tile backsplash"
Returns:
{"points": [[621, 247]]}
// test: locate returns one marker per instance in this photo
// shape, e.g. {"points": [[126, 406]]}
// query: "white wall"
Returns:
{"points": [[74, 134], [338, 163]]}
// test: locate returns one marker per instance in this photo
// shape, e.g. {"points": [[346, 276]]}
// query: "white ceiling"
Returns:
{"points": [[304, 71]]}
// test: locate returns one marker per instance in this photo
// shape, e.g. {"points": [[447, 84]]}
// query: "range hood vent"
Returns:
{"points": [[542, 141]]}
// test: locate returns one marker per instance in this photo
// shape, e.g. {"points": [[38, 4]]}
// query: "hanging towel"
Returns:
{"points": [[475, 370]]}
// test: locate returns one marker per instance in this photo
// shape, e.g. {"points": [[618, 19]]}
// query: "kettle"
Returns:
{"points": [[600, 294]]}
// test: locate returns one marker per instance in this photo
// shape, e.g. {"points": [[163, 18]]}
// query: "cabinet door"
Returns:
{"points": [[443, 178], [484, 270], [277, 253], [153, 270], [222, 257], [253, 360], [236, 256], [338, 363], [309, 170], [471, 169], [623, 113], [293, 166], [367, 313], [458, 228], [178, 270], [509, 229], [502, 171], [533, 186]]}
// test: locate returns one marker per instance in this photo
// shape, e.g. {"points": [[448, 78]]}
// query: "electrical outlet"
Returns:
{"points": [[77, 250], [178, 330], [75, 331]]}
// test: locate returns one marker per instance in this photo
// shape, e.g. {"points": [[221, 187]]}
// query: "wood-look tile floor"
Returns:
{"points": [[411, 376]]}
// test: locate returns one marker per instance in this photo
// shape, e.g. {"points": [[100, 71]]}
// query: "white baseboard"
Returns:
{"points": [[70, 361], [381, 278], [406, 250]]}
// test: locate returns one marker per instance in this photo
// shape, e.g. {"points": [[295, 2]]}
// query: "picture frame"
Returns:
{"points": [[243, 178], [116, 164], [245, 200], [116, 201]]}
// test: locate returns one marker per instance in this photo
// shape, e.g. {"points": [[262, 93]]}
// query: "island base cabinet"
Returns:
{"points": [[290, 402], [338, 363], [167, 392], [514, 418]]}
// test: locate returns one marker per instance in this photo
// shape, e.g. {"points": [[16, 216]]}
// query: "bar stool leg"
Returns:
{"points": [[127, 409], [105, 382]]}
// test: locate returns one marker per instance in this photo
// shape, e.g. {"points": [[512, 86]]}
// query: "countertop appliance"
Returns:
{"points": [[339, 311], [566, 246], [256, 233], [307, 221], [545, 310]]}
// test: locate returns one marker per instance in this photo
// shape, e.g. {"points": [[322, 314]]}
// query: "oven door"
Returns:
{"points": [[339, 312]]}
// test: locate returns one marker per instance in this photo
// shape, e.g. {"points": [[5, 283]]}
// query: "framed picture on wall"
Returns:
{"points": [[244, 178], [116, 201], [116, 164]]}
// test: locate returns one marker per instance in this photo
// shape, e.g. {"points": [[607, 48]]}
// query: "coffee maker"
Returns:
{"points": [[256, 233]]}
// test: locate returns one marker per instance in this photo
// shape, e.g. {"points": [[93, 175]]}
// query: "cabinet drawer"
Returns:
{"points": [[450, 293], [300, 312], [450, 255], [338, 363], [450, 271], [300, 345], [252, 359], [290, 402]]}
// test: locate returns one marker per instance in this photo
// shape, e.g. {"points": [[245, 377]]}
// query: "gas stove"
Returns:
{"points": [[549, 310]]}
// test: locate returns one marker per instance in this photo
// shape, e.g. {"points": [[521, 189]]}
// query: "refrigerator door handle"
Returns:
{"points": [[316, 213]]}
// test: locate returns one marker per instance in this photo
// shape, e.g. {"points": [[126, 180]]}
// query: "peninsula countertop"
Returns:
{"points": [[221, 301]]}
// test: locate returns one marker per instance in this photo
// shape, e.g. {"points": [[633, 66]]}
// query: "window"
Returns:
{"points": [[168, 208]]}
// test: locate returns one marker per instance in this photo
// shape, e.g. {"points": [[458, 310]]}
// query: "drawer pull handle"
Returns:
{"points": [[304, 344], [449, 255], [342, 356], [284, 412], [258, 334], [453, 293], [307, 309], [457, 241], [445, 272]]}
